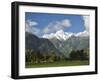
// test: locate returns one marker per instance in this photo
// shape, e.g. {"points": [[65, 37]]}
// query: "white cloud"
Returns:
{"points": [[31, 23], [86, 22], [30, 26], [57, 25], [66, 23]]}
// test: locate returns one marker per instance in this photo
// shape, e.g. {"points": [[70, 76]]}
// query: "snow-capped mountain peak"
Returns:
{"points": [[61, 35], [82, 34]]}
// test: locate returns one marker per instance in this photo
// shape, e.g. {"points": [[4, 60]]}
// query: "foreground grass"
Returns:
{"points": [[57, 64]]}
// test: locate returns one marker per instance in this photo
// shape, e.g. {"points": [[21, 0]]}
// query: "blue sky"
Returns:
{"points": [[46, 23]]}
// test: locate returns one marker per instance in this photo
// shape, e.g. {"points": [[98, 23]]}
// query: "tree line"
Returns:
{"points": [[79, 55], [32, 56], [36, 57]]}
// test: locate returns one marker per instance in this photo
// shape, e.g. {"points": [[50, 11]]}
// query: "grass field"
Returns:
{"points": [[58, 64]]}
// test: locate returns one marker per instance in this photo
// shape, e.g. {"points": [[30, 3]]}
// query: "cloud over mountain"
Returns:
{"points": [[31, 27], [57, 25], [86, 22], [52, 28]]}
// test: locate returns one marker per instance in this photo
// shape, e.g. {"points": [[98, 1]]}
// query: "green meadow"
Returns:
{"points": [[58, 64]]}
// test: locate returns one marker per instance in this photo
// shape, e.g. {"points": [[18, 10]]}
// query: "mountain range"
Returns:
{"points": [[59, 43]]}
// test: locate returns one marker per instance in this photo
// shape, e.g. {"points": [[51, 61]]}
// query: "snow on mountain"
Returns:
{"points": [[82, 34], [61, 35], [48, 36]]}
